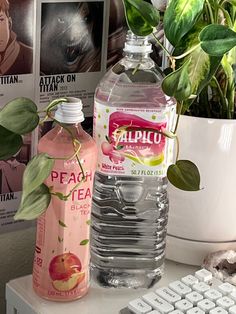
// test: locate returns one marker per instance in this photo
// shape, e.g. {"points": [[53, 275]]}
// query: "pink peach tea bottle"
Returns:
{"points": [[61, 263]]}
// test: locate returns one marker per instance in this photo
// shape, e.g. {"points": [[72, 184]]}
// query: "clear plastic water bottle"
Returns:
{"points": [[130, 202]]}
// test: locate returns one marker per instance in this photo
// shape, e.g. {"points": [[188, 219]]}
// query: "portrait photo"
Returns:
{"points": [[16, 37], [71, 37]]}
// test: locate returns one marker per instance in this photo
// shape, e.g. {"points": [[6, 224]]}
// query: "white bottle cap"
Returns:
{"points": [[70, 112]]}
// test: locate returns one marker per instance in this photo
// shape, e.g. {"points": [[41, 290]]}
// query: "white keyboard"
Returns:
{"points": [[196, 294]]}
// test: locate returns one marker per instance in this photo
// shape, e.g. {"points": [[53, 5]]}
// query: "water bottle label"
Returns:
{"points": [[130, 140]]}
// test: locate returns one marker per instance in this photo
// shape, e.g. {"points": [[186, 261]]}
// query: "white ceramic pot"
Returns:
{"points": [[204, 221]]}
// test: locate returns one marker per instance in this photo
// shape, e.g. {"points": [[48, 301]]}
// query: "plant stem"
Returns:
{"points": [[227, 63], [136, 69], [73, 142], [210, 12], [177, 149], [222, 98], [78, 160], [54, 103], [204, 101], [227, 17], [179, 110], [162, 46], [187, 52], [207, 14], [44, 120]]}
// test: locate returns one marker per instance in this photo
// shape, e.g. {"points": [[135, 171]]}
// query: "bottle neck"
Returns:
{"points": [[137, 47], [136, 56], [69, 130]]}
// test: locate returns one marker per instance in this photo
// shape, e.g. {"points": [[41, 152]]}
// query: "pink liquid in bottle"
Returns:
{"points": [[61, 263]]}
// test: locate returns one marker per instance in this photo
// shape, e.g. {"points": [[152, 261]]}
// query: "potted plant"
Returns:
{"points": [[202, 60]]}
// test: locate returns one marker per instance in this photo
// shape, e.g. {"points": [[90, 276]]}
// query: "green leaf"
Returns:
{"points": [[84, 242], [180, 17], [34, 204], [10, 143], [184, 175], [177, 84], [62, 224], [141, 16], [217, 39], [201, 67], [233, 2], [36, 172], [19, 116]]}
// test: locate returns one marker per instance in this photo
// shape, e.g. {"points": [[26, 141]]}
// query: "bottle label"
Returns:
{"points": [[130, 140], [61, 263]]}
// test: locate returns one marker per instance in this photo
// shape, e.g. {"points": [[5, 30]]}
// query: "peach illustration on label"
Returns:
{"points": [[107, 148], [65, 271], [116, 157]]}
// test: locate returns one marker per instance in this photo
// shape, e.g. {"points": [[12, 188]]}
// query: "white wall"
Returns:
{"points": [[16, 258]]}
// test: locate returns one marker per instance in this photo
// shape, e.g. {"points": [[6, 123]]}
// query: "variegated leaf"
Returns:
{"points": [[180, 17]]}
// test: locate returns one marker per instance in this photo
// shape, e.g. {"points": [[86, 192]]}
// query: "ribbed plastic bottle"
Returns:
{"points": [[130, 202], [61, 263]]}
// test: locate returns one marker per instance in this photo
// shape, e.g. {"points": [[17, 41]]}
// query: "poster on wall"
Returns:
{"points": [[16, 80], [16, 50], [11, 174], [71, 39]]}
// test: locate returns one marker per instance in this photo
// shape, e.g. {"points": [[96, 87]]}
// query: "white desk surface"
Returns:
{"points": [[97, 301]]}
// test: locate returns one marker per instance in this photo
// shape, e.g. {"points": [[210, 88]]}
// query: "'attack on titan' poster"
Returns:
{"points": [[71, 43]]}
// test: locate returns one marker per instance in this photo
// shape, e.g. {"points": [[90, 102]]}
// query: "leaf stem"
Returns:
{"points": [[44, 120], [177, 149], [179, 110], [227, 17], [162, 46], [73, 142], [65, 197], [54, 103], [78, 160], [222, 98], [136, 69], [187, 52], [210, 12]]}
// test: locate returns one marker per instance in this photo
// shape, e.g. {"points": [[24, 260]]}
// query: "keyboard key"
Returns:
{"points": [[183, 305], [232, 309], [225, 302], [212, 294], [195, 310], [154, 312], [206, 305], [158, 303], [168, 295], [201, 287], [194, 297], [176, 312], [226, 288], [189, 280], [204, 275], [138, 306], [180, 288], [218, 310]]}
